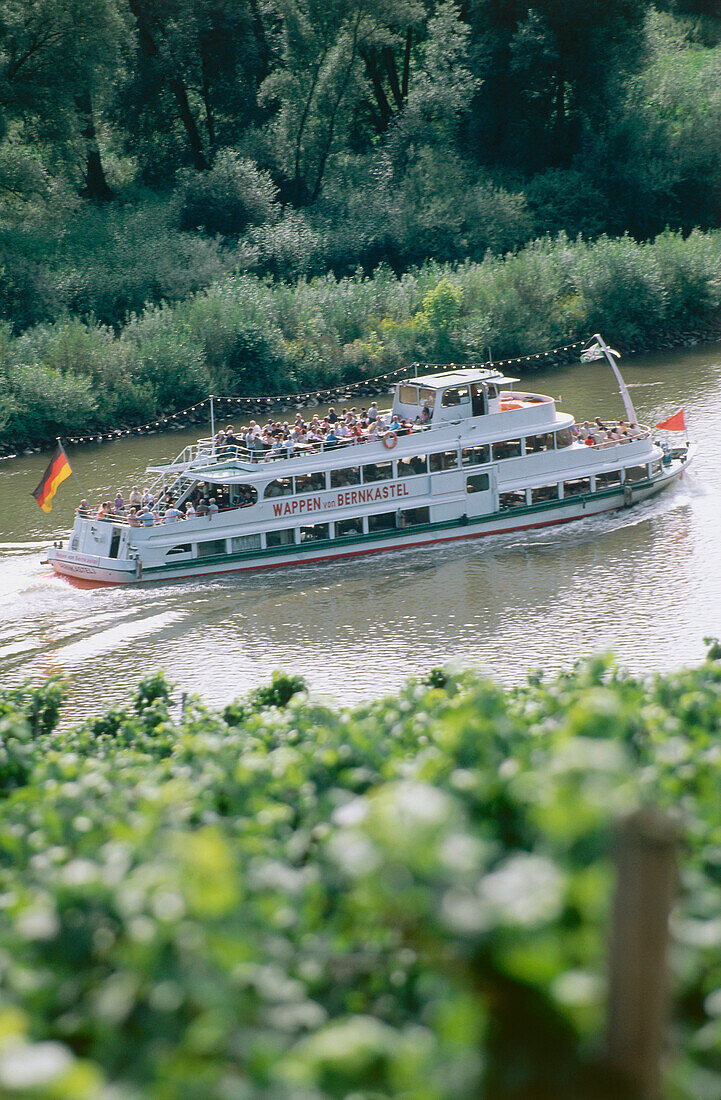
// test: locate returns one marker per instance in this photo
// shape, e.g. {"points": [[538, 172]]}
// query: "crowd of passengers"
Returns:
{"points": [[281, 437], [593, 432], [143, 509]]}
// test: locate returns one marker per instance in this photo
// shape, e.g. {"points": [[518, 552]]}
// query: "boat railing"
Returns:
{"points": [[222, 452], [159, 519]]}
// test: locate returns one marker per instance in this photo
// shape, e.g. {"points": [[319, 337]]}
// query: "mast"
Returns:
{"points": [[593, 353]]}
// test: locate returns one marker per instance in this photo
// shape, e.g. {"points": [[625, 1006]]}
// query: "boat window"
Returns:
{"points": [[245, 542], [544, 492], [245, 495], [344, 528], [516, 499], [535, 443], [349, 476], [492, 391], [564, 438], [315, 532], [610, 480], [456, 395], [408, 395], [184, 548], [475, 456], [509, 448], [377, 471], [443, 460], [211, 549], [477, 483], [636, 473], [416, 464], [414, 517], [579, 485], [281, 487], [280, 538], [656, 468], [427, 396], [478, 400], [309, 483], [383, 522]]}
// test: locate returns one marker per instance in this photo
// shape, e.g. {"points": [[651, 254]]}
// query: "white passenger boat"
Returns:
{"points": [[476, 457]]}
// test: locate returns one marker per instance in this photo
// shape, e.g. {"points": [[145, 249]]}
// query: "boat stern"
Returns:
{"points": [[97, 550]]}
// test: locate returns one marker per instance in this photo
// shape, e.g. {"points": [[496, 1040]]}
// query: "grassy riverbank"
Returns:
{"points": [[406, 898], [247, 335]]}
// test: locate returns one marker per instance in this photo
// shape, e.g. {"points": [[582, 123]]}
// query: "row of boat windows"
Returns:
{"points": [[307, 533], [614, 479], [408, 517], [417, 464], [454, 395]]}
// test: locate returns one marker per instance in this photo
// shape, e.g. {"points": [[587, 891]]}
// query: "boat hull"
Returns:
{"points": [[105, 571]]}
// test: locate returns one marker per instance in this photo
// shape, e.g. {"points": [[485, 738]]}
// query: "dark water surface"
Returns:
{"points": [[645, 583]]}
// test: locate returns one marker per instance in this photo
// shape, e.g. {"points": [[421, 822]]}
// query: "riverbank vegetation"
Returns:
{"points": [[257, 197], [246, 335], [406, 898]]}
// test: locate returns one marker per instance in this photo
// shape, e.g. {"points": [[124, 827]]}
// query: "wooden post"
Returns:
{"points": [[646, 866]]}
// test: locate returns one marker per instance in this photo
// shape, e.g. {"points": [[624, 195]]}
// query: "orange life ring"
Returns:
{"points": [[389, 440]]}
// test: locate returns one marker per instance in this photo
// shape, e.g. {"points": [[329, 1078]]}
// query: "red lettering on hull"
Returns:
{"points": [[344, 499]]}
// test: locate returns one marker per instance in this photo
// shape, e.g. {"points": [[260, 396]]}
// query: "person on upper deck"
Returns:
{"points": [[373, 411], [332, 416]]}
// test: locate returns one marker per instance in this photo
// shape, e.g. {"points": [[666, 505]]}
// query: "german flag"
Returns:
{"points": [[57, 471]]}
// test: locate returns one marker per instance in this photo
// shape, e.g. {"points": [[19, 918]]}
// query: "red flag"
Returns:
{"points": [[675, 423]]}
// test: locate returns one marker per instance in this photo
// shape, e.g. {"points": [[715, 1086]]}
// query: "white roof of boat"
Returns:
{"points": [[461, 376]]}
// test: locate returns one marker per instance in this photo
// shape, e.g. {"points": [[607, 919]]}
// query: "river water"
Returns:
{"points": [[644, 583]]}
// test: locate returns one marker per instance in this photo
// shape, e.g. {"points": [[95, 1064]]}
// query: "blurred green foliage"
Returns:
{"points": [[409, 898]]}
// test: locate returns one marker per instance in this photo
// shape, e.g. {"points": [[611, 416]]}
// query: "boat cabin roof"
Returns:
{"points": [[460, 377]]}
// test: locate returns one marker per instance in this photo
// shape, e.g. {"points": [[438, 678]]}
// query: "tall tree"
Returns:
{"points": [[57, 57], [194, 80], [553, 69]]}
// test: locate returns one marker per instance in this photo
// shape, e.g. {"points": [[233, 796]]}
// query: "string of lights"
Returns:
{"points": [[320, 396]]}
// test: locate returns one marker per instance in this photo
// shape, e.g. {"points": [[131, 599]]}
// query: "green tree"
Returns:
{"points": [[57, 64], [553, 70]]}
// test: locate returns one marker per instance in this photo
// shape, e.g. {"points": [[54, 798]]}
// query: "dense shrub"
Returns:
{"points": [[228, 198], [42, 403], [406, 898]]}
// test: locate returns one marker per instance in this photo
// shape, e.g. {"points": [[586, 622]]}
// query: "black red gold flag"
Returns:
{"points": [[58, 469]]}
